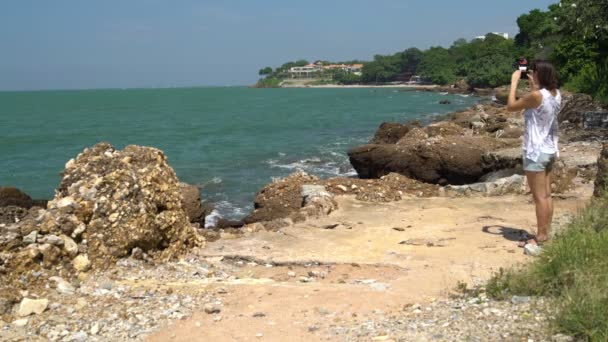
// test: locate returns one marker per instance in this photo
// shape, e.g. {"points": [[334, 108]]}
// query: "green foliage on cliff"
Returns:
{"points": [[572, 34]]}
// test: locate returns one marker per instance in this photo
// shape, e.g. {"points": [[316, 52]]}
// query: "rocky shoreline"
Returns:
{"points": [[122, 219]]}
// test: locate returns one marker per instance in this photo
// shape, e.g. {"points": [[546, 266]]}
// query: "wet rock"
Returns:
{"points": [[191, 202], [10, 196], [32, 306]]}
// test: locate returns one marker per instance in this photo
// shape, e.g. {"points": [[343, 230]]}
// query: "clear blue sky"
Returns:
{"points": [[61, 44]]}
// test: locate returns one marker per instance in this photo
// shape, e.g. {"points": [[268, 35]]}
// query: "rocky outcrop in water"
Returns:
{"points": [[441, 159]]}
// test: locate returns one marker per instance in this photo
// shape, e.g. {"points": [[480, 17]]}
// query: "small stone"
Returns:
{"points": [[399, 229], [32, 306], [63, 286], [81, 303], [291, 274], [217, 318], [81, 263], [532, 250], [94, 329], [305, 279], [562, 338], [259, 314], [106, 285], [67, 201], [212, 308], [30, 238], [51, 240], [342, 187], [317, 274], [69, 245], [80, 336], [20, 322], [520, 299], [258, 335]]}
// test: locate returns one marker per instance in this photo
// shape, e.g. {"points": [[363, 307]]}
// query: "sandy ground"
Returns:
{"points": [[295, 284]]}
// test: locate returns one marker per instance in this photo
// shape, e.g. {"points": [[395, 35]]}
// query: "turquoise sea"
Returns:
{"points": [[229, 140]]}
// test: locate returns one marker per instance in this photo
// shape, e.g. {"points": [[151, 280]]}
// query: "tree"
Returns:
{"points": [[265, 71], [438, 65], [585, 22]]}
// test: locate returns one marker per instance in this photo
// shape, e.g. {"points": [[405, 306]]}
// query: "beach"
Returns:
{"points": [[437, 209]]}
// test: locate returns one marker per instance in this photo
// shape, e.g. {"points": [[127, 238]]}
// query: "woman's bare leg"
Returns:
{"points": [[538, 186], [549, 201]]}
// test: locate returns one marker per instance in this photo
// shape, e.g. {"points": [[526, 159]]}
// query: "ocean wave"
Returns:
{"points": [[463, 95], [212, 219]]}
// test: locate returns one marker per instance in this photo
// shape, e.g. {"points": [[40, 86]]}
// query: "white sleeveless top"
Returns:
{"points": [[541, 131]]}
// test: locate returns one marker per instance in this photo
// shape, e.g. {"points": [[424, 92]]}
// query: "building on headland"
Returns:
{"points": [[313, 69], [502, 34]]}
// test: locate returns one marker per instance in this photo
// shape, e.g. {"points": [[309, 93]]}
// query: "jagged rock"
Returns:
{"points": [[119, 200], [391, 132], [15, 197], [601, 180], [280, 198], [192, 203], [32, 306]]}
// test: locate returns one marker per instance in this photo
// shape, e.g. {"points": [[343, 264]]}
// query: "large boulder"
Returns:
{"points": [[110, 202], [447, 159], [14, 197], [601, 180]]}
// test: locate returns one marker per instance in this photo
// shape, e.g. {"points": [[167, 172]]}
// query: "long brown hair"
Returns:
{"points": [[546, 74]]}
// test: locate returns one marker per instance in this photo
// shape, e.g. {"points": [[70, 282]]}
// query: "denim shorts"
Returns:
{"points": [[544, 163]]}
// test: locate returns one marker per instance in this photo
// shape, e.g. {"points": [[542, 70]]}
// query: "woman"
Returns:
{"points": [[540, 148]]}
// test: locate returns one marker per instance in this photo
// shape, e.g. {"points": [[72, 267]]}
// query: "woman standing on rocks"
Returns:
{"points": [[540, 147]]}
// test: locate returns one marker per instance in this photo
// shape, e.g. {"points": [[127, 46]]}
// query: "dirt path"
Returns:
{"points": [[362, 260]]}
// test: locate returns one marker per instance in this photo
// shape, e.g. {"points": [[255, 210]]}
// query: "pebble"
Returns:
{"points": [[32, 306], [212, 308], [30, 238], [81, 263], [20, 322], [291, 274], [520, 299], [63, 286]]}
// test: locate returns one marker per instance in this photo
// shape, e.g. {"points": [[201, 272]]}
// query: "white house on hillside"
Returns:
{"points": [[502, 34]]}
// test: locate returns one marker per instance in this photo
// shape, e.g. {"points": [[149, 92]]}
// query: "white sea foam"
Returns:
{"points": [[212, 219]]}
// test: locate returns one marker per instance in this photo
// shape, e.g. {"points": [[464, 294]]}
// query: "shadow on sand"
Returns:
{"points": [[509, 233]]}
